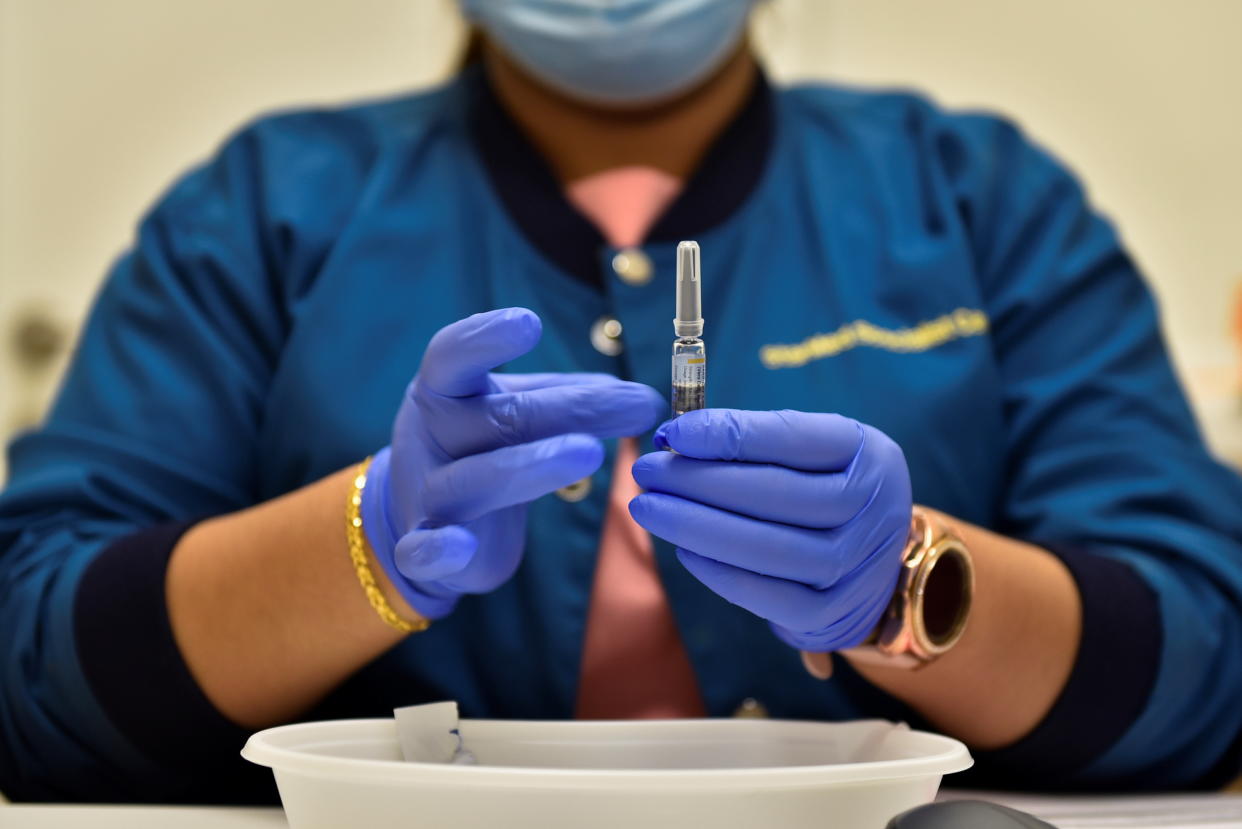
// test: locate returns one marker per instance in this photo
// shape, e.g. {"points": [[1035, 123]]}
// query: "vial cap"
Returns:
{"points": [[689, 319]]}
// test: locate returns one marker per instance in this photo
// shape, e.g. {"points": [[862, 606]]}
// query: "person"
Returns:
{"points": [[473, 284]]}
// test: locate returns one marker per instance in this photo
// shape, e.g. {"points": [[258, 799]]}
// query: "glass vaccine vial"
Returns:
{"points": [[689, 353]]}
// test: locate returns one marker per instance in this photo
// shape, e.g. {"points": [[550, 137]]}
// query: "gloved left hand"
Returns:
{"points": [[799, 517], [444, 506]]}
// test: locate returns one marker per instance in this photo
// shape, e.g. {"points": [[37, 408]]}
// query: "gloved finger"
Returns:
{"points": [[802, 617], [853, 616], [613, 409], [856, 604], [501, 538], [545, 379], [467, 426], [810, 557], [473, 486], [429, 554], [774, 599], [460, 355], [818, 500], [812, 441]]}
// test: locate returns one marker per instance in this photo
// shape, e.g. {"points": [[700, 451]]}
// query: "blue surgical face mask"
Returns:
{"points": [[614, 51]]}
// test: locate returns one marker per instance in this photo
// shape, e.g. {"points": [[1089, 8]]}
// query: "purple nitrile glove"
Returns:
{"points": [[445, 504], [799, 517]]}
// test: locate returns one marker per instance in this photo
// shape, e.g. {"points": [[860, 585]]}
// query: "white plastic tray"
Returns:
{"points": [[724, 774]]}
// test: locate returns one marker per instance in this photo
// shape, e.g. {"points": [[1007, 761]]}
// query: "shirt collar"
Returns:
{"points": [[536, 203]]}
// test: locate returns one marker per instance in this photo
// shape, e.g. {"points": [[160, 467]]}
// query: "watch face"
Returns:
{"points": [[947, 583], [931, 604]]}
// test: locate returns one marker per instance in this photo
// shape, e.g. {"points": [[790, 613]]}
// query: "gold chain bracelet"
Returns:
{"points": [[358, 555]]}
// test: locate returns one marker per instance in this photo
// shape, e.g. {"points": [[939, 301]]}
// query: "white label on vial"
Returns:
{"points": [[689, 370]]}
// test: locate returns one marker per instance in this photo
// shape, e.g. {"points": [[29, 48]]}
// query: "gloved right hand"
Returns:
{"points": [[445, 504]]}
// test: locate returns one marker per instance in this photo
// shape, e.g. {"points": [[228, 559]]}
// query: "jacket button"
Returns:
{"points": [[606, 336], [632, 267], [576, 491], [751, 709]]}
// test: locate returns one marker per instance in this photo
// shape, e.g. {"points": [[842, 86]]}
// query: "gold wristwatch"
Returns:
{"points": [[932, 601]]}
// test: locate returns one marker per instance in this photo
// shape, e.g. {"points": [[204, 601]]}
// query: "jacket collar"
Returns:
{"points": [[534, 199]]}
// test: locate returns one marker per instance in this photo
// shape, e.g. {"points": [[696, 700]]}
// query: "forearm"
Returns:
{"points": [[266, 608], [1003, 676]]}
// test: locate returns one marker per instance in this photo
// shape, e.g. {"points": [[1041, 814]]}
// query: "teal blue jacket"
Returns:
{"points": [[932, 274]]}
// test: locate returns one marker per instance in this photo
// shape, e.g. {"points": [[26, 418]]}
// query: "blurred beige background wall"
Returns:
{"points": [[103, 102]]}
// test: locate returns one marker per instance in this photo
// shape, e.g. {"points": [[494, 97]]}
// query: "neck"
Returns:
{"points": [[580, 139]]}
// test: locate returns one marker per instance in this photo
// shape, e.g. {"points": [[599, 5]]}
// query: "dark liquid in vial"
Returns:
{"points": [[687, 398]]}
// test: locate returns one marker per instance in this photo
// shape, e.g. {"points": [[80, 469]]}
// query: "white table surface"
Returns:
{"points": [[138, 817], [1168, 811]]}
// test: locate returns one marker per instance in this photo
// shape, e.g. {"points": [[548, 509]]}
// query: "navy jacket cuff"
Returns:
{"points": [[1109, 687], [130, 658]]}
